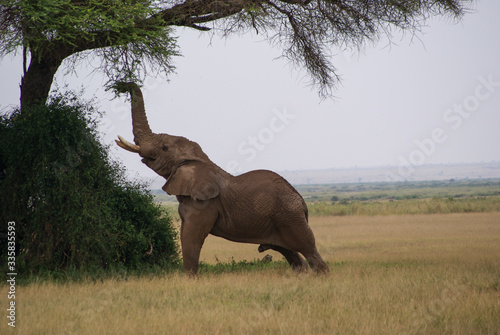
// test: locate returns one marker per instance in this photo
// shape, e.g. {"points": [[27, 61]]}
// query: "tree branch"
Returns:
{"points": [[188, 14], [305, 29], [191, 12]]}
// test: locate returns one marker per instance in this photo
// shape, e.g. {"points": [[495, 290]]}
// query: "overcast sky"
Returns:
{"points": [[428, 100]]}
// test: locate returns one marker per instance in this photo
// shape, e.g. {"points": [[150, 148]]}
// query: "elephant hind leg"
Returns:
{"points": [[296, 261], [293, 258], [264, 247], [316, 262]]}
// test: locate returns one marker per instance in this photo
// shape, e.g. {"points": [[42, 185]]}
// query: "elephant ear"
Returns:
{"points": [[195, 179]]}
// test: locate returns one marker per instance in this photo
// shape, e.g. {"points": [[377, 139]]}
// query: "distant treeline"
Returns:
{"points": [[400, 190]]}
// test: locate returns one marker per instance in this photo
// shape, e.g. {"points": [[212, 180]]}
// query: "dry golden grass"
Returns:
{"points": [[418, 274]]}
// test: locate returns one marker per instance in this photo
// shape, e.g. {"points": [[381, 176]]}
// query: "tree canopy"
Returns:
{"points": [[131, 37]]}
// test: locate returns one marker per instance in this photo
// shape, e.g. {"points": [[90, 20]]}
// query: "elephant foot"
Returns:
{"points": [[317, 264]]}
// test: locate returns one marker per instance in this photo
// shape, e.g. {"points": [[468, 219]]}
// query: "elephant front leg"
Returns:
{"points": [[191, 249], [192, 239], [195, 226]]}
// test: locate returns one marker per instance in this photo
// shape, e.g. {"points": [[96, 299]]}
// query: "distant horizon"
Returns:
{"points": [[391, 166]]}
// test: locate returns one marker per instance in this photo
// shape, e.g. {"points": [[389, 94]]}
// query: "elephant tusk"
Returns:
{"points": [[123, 143]]}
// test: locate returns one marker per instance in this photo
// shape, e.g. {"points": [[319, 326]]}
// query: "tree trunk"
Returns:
{"points": [[36, 82]]}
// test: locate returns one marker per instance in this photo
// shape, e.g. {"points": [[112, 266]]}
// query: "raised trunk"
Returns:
{"points": [[140, 125]]}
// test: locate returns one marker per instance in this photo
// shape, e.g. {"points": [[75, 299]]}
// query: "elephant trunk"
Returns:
{"points": [[140, 125]]}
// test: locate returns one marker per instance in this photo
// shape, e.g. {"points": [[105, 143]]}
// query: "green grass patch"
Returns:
{"points": [[408, 206]]}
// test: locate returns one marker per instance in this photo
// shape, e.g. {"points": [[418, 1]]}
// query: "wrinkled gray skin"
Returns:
{"points": [[256, 207]]}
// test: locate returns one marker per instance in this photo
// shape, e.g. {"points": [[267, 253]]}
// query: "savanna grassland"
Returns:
{"points": [[391, 273]]}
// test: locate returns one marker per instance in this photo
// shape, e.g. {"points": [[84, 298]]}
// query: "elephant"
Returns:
{"points": [[258, 207]]}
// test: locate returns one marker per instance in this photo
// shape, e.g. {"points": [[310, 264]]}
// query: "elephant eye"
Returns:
{"points": [[164, 147]]}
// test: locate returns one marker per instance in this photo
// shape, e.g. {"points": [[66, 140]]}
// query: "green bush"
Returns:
{"points": [[72, 207]]}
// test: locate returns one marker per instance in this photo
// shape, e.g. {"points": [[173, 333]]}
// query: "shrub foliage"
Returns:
{"points": [[70, 202]]}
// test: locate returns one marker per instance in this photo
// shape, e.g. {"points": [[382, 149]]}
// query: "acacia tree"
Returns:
{"points": [[131, 37]]}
